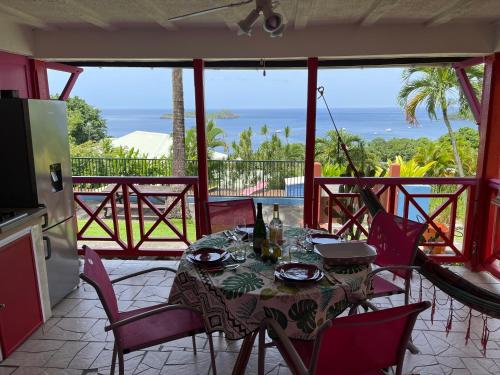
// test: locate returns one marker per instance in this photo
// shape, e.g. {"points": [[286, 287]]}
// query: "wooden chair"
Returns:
{"points": [[145, 327]]}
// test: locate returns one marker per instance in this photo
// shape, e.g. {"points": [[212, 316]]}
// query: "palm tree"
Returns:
{"points": [[328, 150], [179, 149], [436, 87], [440, 155], [215, 138], [264, 130], [287, 133]]}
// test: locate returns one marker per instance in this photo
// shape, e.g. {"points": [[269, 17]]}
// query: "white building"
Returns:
{"points": [[155, 145]]}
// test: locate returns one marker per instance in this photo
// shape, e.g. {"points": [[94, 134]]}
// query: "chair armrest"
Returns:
{"points": [[142, 273], [373, 273], [395, 267], [286, 343], [147, 314]]}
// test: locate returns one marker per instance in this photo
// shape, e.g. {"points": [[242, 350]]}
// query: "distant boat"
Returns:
{"points": [[388, 130], [278, 131]]}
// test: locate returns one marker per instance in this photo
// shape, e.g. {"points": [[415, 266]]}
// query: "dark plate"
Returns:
{"points": [[207, 255], [298, 272]]}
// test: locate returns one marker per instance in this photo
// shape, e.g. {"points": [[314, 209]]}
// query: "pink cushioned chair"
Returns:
{"points": [[396, 240], [145, 327], [362, 344], [221, 214]]}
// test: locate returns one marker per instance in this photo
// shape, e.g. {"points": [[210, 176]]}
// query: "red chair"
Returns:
{"points": [[221, 214], [361, 344], [396, 240], [145, 327]]}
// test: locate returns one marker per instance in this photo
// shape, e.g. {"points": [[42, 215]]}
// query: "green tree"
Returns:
{"points": [[215, 138], [437, 89], [441, 154], [409, 168], [287, 133], [388, 149], [85, 122], [264, 130], [243, 149], [328, 151]]}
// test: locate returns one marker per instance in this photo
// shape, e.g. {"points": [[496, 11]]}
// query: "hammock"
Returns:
{"points": [[457, 287]]}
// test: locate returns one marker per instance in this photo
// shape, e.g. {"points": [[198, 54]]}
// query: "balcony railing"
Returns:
{"points": [[226, 178], [442, 203], [128, 217]]}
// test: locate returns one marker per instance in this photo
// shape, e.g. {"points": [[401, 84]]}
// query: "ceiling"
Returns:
{"points": [[139, 29], [299, 14]]}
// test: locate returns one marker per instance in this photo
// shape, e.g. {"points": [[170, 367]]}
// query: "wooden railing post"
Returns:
{"points": [[127, 212], [317, 196]]}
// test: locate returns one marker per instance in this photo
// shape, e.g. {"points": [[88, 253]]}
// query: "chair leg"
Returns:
{"points": [[194, 344], [262, 351], [212, 353], [121, 363], [407, 291], [412, 348], [113, 360]]}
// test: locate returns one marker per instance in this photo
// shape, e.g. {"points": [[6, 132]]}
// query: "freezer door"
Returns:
{"points": [[49, 136], [62, 259]]}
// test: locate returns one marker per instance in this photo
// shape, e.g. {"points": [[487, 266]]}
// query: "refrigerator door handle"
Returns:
{"points": [[45, 220], [49, 247]]}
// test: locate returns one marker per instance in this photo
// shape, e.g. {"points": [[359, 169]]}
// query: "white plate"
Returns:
{"points": [[346, 253], [242, 229], [323, 240]]}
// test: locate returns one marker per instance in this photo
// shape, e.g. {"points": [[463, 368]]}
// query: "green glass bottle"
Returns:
{"points": [[259, 231]]}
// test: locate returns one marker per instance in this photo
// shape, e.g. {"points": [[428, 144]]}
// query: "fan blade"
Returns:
{"points": [[210, 10]]}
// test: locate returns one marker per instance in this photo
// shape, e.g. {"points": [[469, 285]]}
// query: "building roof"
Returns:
{"points": [[154, 145], [114, 30]]}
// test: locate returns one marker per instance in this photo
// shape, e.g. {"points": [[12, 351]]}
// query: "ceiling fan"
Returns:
{"points": [[273, 21]]}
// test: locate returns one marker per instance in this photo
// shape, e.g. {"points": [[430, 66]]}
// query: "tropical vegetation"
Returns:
{"points": [[437, 89]]}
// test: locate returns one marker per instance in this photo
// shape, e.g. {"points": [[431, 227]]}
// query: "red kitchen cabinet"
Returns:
{"points": [[20, 308]]}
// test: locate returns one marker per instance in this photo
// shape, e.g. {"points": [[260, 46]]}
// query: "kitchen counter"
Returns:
{"points": [[34, 217]]}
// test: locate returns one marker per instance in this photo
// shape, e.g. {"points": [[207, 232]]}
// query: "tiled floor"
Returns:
{"points": [[74, 341]]}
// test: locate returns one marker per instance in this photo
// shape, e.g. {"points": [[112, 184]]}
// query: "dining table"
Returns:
{"points": [[235, 299]]}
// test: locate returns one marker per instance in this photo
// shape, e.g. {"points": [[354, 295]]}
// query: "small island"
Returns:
{"points": [[224, 114]]}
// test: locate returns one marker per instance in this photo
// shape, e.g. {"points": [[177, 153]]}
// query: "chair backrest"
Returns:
{"points": [[95, 274], [396, 240], [221, 214], [365, 342]]}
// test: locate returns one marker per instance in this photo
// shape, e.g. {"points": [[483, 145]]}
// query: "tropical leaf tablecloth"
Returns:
{"points": [[236, 301]]}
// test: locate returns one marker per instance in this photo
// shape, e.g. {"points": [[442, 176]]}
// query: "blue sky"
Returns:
{"points": [[232, 89]]}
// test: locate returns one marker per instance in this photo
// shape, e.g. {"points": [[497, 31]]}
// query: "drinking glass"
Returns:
{"points": [[239, 221], [240, 252]]}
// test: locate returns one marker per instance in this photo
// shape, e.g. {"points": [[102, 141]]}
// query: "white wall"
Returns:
{"points": [[16, 38], [339, 42]]}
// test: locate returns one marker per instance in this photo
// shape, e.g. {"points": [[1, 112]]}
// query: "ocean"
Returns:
{"points": [[369, 123]]}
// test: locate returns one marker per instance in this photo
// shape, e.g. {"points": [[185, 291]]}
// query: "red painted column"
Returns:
{"points": [[39, 80], [488, 163], [312, 83], [201, 137]]}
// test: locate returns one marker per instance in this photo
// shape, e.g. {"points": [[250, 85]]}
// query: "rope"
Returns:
{"points": [[321, 91]]}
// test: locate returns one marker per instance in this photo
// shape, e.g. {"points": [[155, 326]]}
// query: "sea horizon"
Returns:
{"points": [[367, 122]]}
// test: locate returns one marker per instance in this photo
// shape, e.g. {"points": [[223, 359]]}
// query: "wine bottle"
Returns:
{"points": [[259, 231], [276, 227]]}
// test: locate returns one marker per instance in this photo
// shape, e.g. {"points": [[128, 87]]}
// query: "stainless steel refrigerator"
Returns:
{"points": [[34, 150]]}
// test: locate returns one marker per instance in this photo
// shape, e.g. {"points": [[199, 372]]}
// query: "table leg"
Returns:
{"points": [[244, 355]]}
